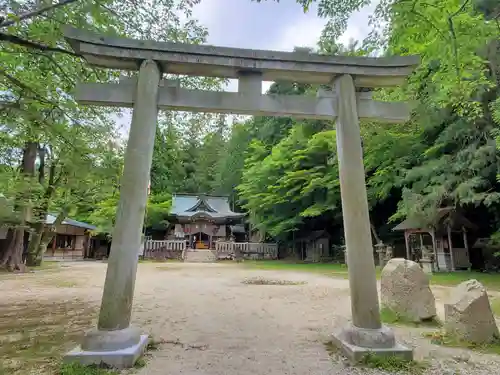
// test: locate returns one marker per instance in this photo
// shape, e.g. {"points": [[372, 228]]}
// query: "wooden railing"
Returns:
{"points": [[248, 249], [167, 249]]}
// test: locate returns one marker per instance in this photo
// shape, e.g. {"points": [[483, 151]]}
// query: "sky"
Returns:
{"points": [[267, 25]]}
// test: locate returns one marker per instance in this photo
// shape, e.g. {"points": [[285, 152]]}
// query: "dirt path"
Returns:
{"points": [[214, 324]]}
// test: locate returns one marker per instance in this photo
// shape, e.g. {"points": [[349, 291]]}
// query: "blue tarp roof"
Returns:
{"points": [[51, 218]]}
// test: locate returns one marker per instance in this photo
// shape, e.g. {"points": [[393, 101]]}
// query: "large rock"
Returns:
{"points": [[405, 290], [468, 314]]}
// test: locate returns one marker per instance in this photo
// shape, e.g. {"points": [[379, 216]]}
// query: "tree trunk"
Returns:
{"points": [[49, 235], [41, 239], [375, 235], [13, 258], [38, 243], [35, 242]]}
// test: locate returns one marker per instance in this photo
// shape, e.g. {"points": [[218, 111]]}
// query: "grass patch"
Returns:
{"points": [[393, 364], [264, 281], [78, 369], [328, 269], [159, 260], [141, 362], [490, 281], [168, 268], [495, 306], [65, 284], [154, 345], [47, 265], [390, 364], [444, 339], [34, 336], [58, 282], [331, 348], [390, 316]]}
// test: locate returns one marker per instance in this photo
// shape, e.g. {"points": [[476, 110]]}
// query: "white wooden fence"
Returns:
{"points": [[175, 249], [248, 249], [166, 249]]}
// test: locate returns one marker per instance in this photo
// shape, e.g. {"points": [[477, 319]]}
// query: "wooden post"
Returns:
{"points": [[54, 242], [407, 244], [86, 245], [450, 245], [434, 247], [466, 243]]}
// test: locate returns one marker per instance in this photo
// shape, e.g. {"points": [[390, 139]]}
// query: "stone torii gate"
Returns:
{"points": [[114, 341]]}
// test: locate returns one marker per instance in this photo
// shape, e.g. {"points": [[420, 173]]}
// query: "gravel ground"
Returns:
{"points": [[214, 324]]}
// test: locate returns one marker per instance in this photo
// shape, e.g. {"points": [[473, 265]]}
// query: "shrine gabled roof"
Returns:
{"points": [[455, 218], [51, 218], [192, 205]]}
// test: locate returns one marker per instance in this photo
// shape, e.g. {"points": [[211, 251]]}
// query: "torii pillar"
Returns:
{"points": [[366, 333], [115, 342]]}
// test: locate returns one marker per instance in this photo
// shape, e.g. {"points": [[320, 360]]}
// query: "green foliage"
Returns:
{"points": [[230, 165], [78, 160], [104, 214], [282, 171], [451, 340], [158, 209], [445, 156], [78, 369], [295, 181], [393, 364], [389, 316]]}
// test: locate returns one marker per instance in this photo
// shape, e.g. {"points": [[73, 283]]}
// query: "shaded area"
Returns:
{"points": [[34, 335]]}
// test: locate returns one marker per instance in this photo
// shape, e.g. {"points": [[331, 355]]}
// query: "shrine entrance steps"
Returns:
{"points": [[199, 256]]}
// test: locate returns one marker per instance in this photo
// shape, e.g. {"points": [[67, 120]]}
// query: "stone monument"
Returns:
{"points": [[468, 315], [405, 289], [346, 102]]}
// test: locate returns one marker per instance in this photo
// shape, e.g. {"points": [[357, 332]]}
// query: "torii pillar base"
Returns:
{"points": [[117, 349], [355, 343]]}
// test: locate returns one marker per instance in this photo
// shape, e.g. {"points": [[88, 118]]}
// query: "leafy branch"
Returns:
{"points": [[35, 13]]}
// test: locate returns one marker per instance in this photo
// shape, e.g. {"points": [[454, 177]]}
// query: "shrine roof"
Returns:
{"points": [[51, 219], [185, 205], [443, 217]]}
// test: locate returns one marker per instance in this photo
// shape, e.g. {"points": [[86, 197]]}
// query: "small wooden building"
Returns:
{"points": [[71, 241], [315, 247], [445, 235]]}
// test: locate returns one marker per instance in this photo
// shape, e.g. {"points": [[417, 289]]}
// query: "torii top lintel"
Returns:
{"points": [[210, 61]]}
